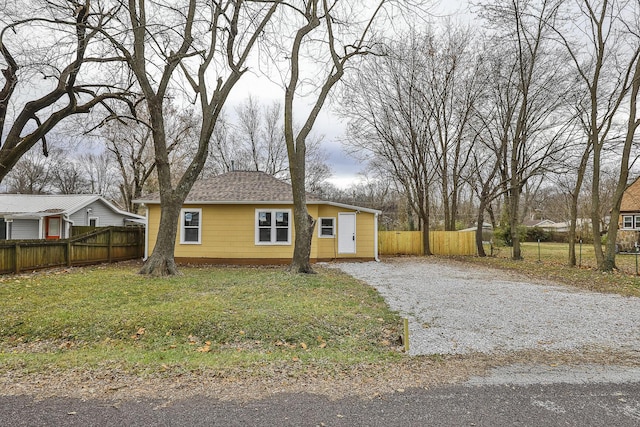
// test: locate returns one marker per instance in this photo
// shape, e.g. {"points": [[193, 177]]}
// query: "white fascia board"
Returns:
{"points": [[251, 202], [82, 203], [114, 208], [352, 207]]}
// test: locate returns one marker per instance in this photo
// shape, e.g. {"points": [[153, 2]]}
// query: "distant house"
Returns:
{"points": [[246, 217], [544, 224], [27, 216], [629, 220]]}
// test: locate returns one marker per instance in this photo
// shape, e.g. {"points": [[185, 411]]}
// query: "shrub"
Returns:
{"points": [[536, 233], [502, 234]]}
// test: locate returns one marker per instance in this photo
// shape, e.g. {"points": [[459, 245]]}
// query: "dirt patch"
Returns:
{"points": [[364, 381]]}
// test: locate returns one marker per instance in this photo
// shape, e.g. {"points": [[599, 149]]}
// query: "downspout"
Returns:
{"points": [[41, 228], [146, 233], [375, 237], [67, 228]]}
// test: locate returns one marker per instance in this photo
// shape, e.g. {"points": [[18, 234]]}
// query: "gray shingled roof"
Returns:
{"points": [[34, 203], [238, 186], [42, 204]]}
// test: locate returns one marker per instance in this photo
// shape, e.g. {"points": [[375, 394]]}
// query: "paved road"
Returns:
{"points": [[463, 405]]}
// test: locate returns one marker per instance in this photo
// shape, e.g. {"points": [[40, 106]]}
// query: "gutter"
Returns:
{"points": [[375, 238]]}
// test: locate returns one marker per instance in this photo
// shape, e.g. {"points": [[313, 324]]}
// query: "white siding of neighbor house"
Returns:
{"points": [[22, 229], [106, 216]]}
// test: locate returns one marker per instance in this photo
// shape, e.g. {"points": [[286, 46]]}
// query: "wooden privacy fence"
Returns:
{"points": [[105, 244], [440, 242]]}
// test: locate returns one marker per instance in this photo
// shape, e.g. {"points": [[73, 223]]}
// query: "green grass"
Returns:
{"points": [[549, 262], [229, 320]]}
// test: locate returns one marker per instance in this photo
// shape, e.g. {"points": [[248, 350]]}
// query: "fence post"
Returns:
{"points": [[110, 237], [18, 260], [140, 243], [68, 252]]}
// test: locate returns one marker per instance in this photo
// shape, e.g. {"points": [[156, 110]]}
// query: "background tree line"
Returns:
{"points": [[529, 109]]}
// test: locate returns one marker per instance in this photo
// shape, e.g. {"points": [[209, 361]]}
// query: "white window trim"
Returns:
{"points": [[632, 222], [94, 217], [182, 212], [333, 228], [273, 228]]}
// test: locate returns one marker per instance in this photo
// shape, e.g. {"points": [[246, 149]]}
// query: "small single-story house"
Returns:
{"points": [[30, 216], [244, 217]]}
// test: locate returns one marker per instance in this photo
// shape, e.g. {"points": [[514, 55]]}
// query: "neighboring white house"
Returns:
{"points": [[583, 225], [28, 216]]}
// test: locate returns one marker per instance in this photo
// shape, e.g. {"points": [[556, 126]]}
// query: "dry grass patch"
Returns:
{"points": [[550, 265]]}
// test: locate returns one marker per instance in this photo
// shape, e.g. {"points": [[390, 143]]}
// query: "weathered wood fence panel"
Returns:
{"points": [[440, 242], [106, 244]]}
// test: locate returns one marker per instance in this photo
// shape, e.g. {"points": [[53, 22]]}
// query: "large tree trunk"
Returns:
{"points": [[304, 223], [514, 207], [572, 238], [426, 224], [162, 261], [575, 195], [632, 125], [595, 207]]}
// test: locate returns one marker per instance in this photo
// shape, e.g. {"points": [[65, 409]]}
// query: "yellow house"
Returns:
{"points": [[244, 217]]}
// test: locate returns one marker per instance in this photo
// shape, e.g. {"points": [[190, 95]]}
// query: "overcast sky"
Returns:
{"points": [[345, 168]]}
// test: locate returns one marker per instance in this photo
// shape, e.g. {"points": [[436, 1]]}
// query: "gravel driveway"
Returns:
{"points": [[455, 308]]}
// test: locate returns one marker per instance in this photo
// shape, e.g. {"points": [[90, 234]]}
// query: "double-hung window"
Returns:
{"points": [[627, 221], [326, 227], [273, 227], [190, 226]]}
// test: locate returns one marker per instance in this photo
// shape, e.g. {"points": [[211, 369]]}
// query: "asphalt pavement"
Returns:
{"points": [[601, 404]]}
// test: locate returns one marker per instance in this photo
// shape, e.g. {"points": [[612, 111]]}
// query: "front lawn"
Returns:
{"points": [[231, 321]]}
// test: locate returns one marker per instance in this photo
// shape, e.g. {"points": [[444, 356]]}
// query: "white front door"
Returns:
{"points": [[346, 233]]}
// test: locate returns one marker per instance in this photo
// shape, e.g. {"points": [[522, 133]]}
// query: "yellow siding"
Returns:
{"points": [[153, 221], [365, 234], [228, 231]]}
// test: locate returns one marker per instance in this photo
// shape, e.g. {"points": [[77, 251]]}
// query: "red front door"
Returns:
{"points": [[53, 225]]}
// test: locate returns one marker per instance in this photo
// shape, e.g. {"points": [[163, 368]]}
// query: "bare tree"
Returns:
{"points": [[222, 156], [31, 174], [101, 175], [68, 176], [55, 62], [450, 93], [131, 148], [204, 46], [255, 141], [412, 111], [312, 15], [129, 140], [605, 58], [327, 35], [528, 87], [258, 142], [385, 104]]}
